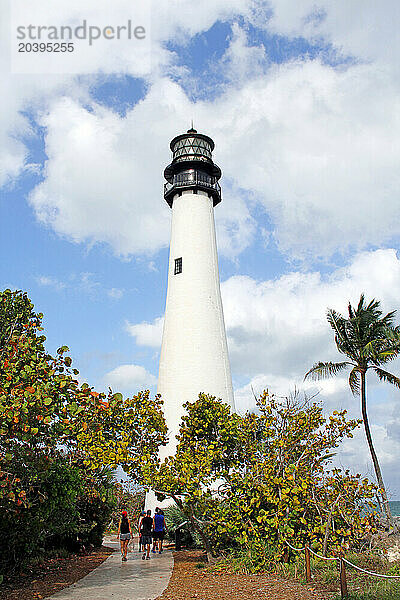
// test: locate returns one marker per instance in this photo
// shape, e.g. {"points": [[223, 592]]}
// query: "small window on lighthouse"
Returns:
{"points": [[178, 266]]}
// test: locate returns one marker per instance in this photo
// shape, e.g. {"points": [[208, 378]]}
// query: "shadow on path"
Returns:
{"points": [[135, 579]]}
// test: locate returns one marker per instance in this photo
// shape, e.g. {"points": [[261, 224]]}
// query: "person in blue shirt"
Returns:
{"points": [[159, 529]]}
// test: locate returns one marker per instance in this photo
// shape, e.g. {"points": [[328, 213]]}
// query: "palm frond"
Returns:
{"points": [[323, 370], [351, 311], [343, 333], [386, 376], [373, 306], [384, 348], [354, 381], [371, 349], [335, 320], [388, 319], [387, 355]]}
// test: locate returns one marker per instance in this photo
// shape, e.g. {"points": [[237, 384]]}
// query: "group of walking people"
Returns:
{"points": [[151, 533]]}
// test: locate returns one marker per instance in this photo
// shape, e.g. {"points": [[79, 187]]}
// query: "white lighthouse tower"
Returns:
{"points": [[194, 354]]}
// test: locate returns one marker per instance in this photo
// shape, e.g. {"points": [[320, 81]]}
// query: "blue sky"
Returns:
{"points": [[301, 102]]}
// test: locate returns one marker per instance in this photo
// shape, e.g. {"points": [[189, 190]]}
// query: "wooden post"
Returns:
{"points": [[343, 581], [308, 563], [286, 556]]}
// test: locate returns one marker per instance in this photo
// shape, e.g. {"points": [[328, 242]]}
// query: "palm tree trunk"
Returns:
{"points": [[372, 449]]}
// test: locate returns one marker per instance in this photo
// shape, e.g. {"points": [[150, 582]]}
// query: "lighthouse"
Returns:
{"points": [[194, 354]]}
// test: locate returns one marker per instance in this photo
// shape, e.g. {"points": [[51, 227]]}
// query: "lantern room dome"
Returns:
{"points": [[192, 166]]}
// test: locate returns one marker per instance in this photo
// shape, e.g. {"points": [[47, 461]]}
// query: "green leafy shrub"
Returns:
{"points": [[49, 514], [174, 517], [59, 442], [241, 480]]}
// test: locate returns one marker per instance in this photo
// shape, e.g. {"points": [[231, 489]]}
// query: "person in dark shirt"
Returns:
{"points": [[147, 527], [124, 533], [139, 528]]}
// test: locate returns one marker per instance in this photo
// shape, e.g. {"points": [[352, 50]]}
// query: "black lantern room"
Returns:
{"points": [[192, 167]]}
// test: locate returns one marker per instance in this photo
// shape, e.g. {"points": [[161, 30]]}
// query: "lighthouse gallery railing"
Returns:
{"points": [[192, 178]]}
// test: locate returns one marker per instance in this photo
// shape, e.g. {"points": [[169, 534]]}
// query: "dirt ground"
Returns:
{"points": [[190, 581], [51, 576]]}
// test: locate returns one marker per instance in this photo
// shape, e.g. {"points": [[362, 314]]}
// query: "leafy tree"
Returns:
{"points": [[130, 497], [116, 431], [95, 504], [240, 480], [51, 489], [369, 340], [280, 489], [16, 312], [207, 445], [43, 405], [55, 430]]}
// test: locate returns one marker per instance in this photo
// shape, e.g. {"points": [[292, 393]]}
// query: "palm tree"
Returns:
{"points": [[369, 340]]}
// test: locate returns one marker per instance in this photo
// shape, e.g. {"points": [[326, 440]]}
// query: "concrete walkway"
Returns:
{"points": [[135, 579]]}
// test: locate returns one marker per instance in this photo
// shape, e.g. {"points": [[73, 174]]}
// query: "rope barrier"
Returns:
{"points": [[344, 559], [323, 557], [342, 562], [370, 572], [293, 548]]}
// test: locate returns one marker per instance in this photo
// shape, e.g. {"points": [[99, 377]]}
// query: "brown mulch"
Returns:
{"points": [[188, 582], [52, 575]]}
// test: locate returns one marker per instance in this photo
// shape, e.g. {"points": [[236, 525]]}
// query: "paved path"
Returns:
{"points": [[135, 579]]}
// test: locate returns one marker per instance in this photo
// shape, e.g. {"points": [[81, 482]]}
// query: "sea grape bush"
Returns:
{"points": [[57, 437], [266, 476]]}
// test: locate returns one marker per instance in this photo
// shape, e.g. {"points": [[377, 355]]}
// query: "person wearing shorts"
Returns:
{"points": [[124, 534], [159, 529], [147, 526]]}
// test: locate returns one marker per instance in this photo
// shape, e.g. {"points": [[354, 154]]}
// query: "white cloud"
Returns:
{"points": [[147, 334], [175, 18], [129, 378], [103, 178], [242, 61], [122, 55], [172, 20], [280, 327], [85, 282], [235, 226], [50, 281], [25, 94], [333, 392], [115, 293], [318, 148], [354, 454], [361, 28]]}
